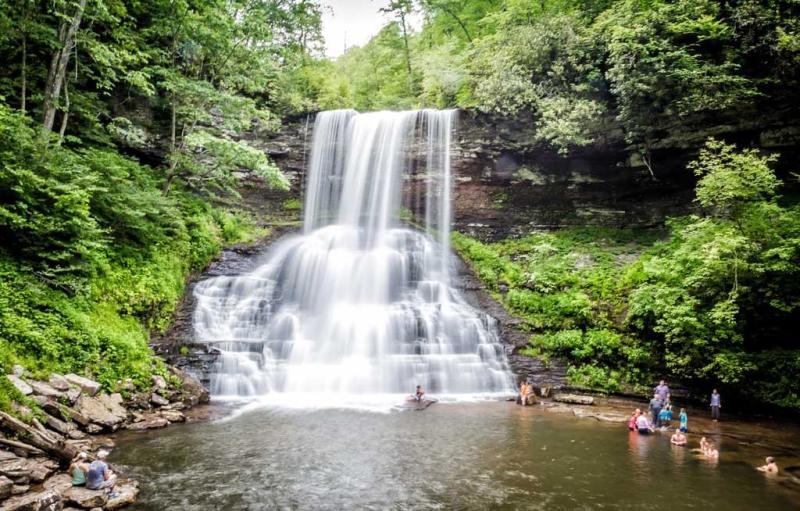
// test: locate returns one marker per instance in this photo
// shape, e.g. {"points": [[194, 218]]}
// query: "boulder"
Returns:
{"points": [[20, 384], [574, 399], [173, 415], [94, 429], [41, 388], [85, 498], [158, 400], [114, 404], [128, 491], [159, 383], [58, 425], [6, 487], [97, 412], [193, 391], [19, 489], [18, 370], [58, 382], [88, 386], [151, 422], [47, 500]]}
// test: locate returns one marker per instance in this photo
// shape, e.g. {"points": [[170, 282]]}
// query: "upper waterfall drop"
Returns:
{"points": [[359, 307]]}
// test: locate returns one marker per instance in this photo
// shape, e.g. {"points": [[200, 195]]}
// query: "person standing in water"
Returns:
{"points": [[684, 418], [655, 408], [419, 394], [716, 404]]}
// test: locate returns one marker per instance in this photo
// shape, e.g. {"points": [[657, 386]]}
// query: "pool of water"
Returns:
{"points": [[451, 456]]}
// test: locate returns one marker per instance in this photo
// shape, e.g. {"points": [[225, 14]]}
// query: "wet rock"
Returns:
{"points": [[574, 399], [94, 429], [158, 400], [85, 498], [601, 416], [173, 416], [151, 422], [128, 491], [193, 392], [6, 487], [104, 411], [20, 384], [41, 388], [88, 386], [47, 500]]}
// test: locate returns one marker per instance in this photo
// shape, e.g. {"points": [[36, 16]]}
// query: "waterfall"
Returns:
{"points": [[359, 306]]}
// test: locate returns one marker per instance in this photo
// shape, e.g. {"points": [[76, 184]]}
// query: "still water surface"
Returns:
{"points": [[457, 456]]}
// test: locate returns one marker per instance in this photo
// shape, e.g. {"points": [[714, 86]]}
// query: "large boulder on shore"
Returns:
{"points": [[192, 391], [127, 491], [103, 411], [85, 498], [148, 422], [58, 382], [41, 388], [90, 387], [574, 399]]}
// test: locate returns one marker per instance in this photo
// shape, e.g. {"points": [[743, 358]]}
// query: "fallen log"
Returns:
{"points": [[20, 445], [57, 448]]}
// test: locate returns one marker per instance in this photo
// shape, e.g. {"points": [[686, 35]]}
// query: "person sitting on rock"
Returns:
{"points": [[99, 476], [770, 468], [78, 469], [419, 394], [678, 438]]}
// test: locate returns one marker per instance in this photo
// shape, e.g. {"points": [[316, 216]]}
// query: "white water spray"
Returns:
{"points": [[359, 308]]}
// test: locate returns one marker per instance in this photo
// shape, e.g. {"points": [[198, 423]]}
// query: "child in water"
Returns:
{"points": [[665, 416], [684, 421]]}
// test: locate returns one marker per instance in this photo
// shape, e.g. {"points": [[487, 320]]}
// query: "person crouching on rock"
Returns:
{"points": [[99, 476], [419, 394], [79, 468]]}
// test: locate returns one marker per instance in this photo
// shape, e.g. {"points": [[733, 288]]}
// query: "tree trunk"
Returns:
{"points": [[24, 71], [57, 448], [458, 20], [65, 114], [58, 66], [408, 52]]}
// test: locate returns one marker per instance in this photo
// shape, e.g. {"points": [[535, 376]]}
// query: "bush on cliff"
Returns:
{"points": [[710, 305]]}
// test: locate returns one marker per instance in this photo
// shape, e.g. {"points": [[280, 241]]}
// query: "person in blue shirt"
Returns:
{"points": [[684, 421], [665, 416], [716, 404], [99, 475]]}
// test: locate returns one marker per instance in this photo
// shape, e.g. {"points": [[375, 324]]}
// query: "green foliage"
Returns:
{"points": [[709, 305]]}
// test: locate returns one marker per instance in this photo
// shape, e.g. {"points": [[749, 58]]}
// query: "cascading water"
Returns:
{"points": [[359, 308]]}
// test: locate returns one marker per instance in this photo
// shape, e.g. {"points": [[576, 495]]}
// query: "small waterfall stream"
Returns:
{"points": [[358, 308]]}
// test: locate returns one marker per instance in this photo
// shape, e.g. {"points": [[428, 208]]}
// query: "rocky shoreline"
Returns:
{"points": [[76, 416]]}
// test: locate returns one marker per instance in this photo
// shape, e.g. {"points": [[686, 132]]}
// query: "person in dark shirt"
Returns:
{"points": [[99, 475], [655, 408]]}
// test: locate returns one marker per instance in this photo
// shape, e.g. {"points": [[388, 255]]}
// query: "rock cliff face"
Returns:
{"points": [[507, 185]]}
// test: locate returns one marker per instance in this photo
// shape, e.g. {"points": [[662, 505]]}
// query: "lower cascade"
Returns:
{"points": [[359, 307]]}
